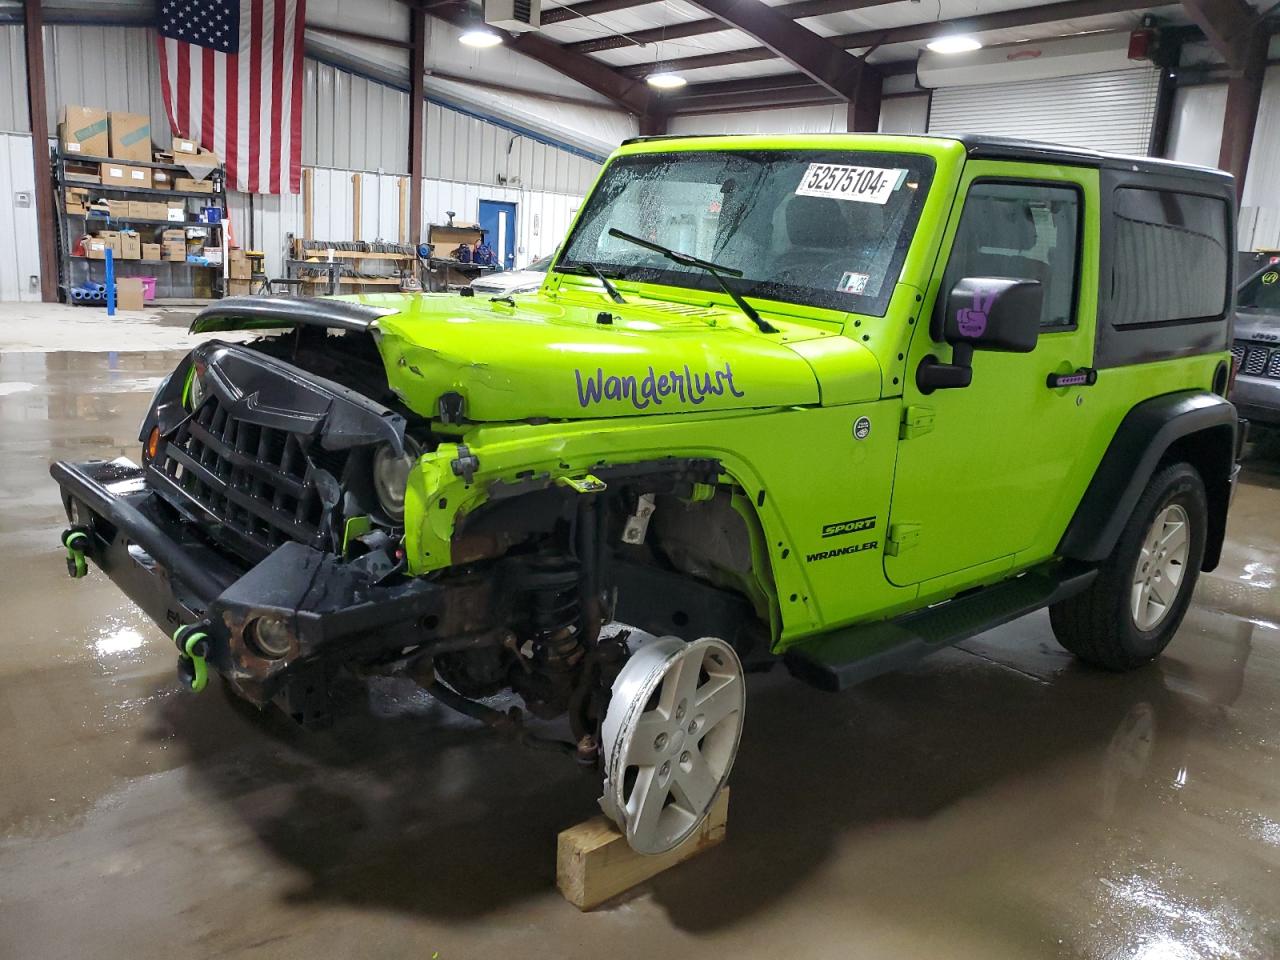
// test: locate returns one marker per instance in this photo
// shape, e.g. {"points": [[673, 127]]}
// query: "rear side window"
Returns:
{"points": [[1171, 257]]}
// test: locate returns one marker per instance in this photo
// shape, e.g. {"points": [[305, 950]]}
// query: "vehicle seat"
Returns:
{"points": [[997, 239], [815, 232]]}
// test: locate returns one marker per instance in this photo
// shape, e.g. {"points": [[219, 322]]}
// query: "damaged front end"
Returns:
{"points": [[256, 518]]}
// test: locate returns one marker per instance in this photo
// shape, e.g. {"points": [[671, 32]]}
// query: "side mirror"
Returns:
{"points": [[981, 313]]}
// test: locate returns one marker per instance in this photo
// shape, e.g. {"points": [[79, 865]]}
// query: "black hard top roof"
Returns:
{"points": [[1033, 151]]}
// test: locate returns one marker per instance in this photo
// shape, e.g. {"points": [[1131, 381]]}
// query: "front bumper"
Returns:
{"points": [[1257, 399], [335, 611]]}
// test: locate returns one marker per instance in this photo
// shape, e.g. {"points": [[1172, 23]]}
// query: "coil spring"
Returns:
{"points": [[554, 613]]}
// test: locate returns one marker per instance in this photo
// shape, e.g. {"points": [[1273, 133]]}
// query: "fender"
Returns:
{"points": [[259, 313], [1192, 425]]}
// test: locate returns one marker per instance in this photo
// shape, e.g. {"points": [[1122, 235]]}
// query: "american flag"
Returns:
{"points": [[232, 77]]}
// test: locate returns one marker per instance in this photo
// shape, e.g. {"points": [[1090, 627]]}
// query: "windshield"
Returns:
{"points": [[828, 228], [1262, 291], [543, 265]]}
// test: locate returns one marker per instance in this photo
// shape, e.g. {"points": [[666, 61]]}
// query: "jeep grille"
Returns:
{"points": [[258, 483], [1256, 361]]}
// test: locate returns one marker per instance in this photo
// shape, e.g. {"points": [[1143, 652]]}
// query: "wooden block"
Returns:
{"points": [[594, 863]]}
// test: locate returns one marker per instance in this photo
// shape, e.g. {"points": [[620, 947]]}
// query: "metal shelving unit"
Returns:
{"points": [[178, 277]]}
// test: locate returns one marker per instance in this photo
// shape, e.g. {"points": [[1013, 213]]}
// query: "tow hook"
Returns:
{"points": [[75, 540], [193, 648]]}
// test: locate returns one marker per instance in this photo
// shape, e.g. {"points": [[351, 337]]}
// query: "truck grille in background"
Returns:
{"points": [[257, 481], [1257, 361]]}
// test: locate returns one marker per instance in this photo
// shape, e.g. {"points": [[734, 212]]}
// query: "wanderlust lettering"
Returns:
{"points": [[653, 388]]}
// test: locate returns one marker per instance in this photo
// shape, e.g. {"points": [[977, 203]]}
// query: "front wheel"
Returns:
{"points": [[1132, 610], [669, 739]]}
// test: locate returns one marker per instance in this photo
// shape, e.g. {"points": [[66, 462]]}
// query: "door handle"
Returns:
{"points": [[1084, 377]]}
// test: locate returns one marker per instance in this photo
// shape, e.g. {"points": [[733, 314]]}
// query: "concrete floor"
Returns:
{"points": [[997, 801]]}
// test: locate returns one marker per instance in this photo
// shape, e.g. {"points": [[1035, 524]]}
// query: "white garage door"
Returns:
{"points": [[1101, 111]]}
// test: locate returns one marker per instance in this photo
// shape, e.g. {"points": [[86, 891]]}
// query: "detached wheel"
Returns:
{"points": [[1132, 610], [669, 739]]}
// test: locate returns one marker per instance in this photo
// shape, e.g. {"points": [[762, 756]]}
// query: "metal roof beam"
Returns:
{"points": [[631, 95], [1226, 23], [695, 28], [811, 54], [589, 8], [1000, 20]]}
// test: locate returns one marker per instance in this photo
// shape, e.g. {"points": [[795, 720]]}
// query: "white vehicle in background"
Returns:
{"points": [[513, 281]]}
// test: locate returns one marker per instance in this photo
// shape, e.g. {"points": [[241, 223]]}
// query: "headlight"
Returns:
{"points": [[269, 637], [391, 475], [197, 390]]}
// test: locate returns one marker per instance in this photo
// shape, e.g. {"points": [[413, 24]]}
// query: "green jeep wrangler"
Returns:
{"points": [[835, 400]]}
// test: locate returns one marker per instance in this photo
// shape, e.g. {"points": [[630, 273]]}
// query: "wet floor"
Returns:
{"points": [[996, 801]]}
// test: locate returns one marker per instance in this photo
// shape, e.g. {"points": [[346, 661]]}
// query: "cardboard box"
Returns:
{"points": [[95, 247], [238, 266], [175, 250], [129, 294], [75, 200], [152, 251], [238, 288], [147, 210], [187, 185], [130, 136], [173, 235], [176, 213], [161, 180], [123, 175], [130, 245], [82, 172], [83, 130], [184, 146]]}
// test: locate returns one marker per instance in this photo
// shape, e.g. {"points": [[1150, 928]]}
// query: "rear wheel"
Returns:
{"points": [[1132, 610]]}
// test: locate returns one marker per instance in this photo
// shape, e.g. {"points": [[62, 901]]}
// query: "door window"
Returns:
{"points": [[1021, 231]]}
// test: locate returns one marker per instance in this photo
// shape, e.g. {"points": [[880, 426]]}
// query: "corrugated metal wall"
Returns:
{"points": [[1195, 129], [469, 150], [13, 81], [1101, 111], [351, 122], [19, 255], [116, 68]]}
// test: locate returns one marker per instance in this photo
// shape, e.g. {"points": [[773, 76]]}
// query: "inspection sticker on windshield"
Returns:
{"points": [[841, 182], [853, 282]]}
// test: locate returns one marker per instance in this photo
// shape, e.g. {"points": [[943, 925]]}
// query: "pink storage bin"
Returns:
{"points": [[148, 288]]}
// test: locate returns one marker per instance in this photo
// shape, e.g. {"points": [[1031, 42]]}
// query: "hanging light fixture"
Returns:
{"points": [[480, 37], [956, 43], [665, 80]]}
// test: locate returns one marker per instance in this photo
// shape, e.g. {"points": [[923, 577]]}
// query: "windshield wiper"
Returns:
{"points": [[596, 272], [715, 269]]}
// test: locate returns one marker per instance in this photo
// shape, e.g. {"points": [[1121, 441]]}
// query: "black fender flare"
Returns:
{"points": [[1192, 425]]}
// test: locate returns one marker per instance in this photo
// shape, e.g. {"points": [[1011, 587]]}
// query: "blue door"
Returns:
{"points": [[498, 221]]}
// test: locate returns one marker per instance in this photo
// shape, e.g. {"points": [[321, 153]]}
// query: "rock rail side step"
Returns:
{"points": [[846, 657]]}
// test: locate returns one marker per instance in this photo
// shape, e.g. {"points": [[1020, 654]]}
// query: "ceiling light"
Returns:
{"points": [[480, 37], [954, 44], [666, 81]]}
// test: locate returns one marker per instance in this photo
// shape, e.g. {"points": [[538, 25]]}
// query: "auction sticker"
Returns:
{"points": [[841, 182], [853, 282]]}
